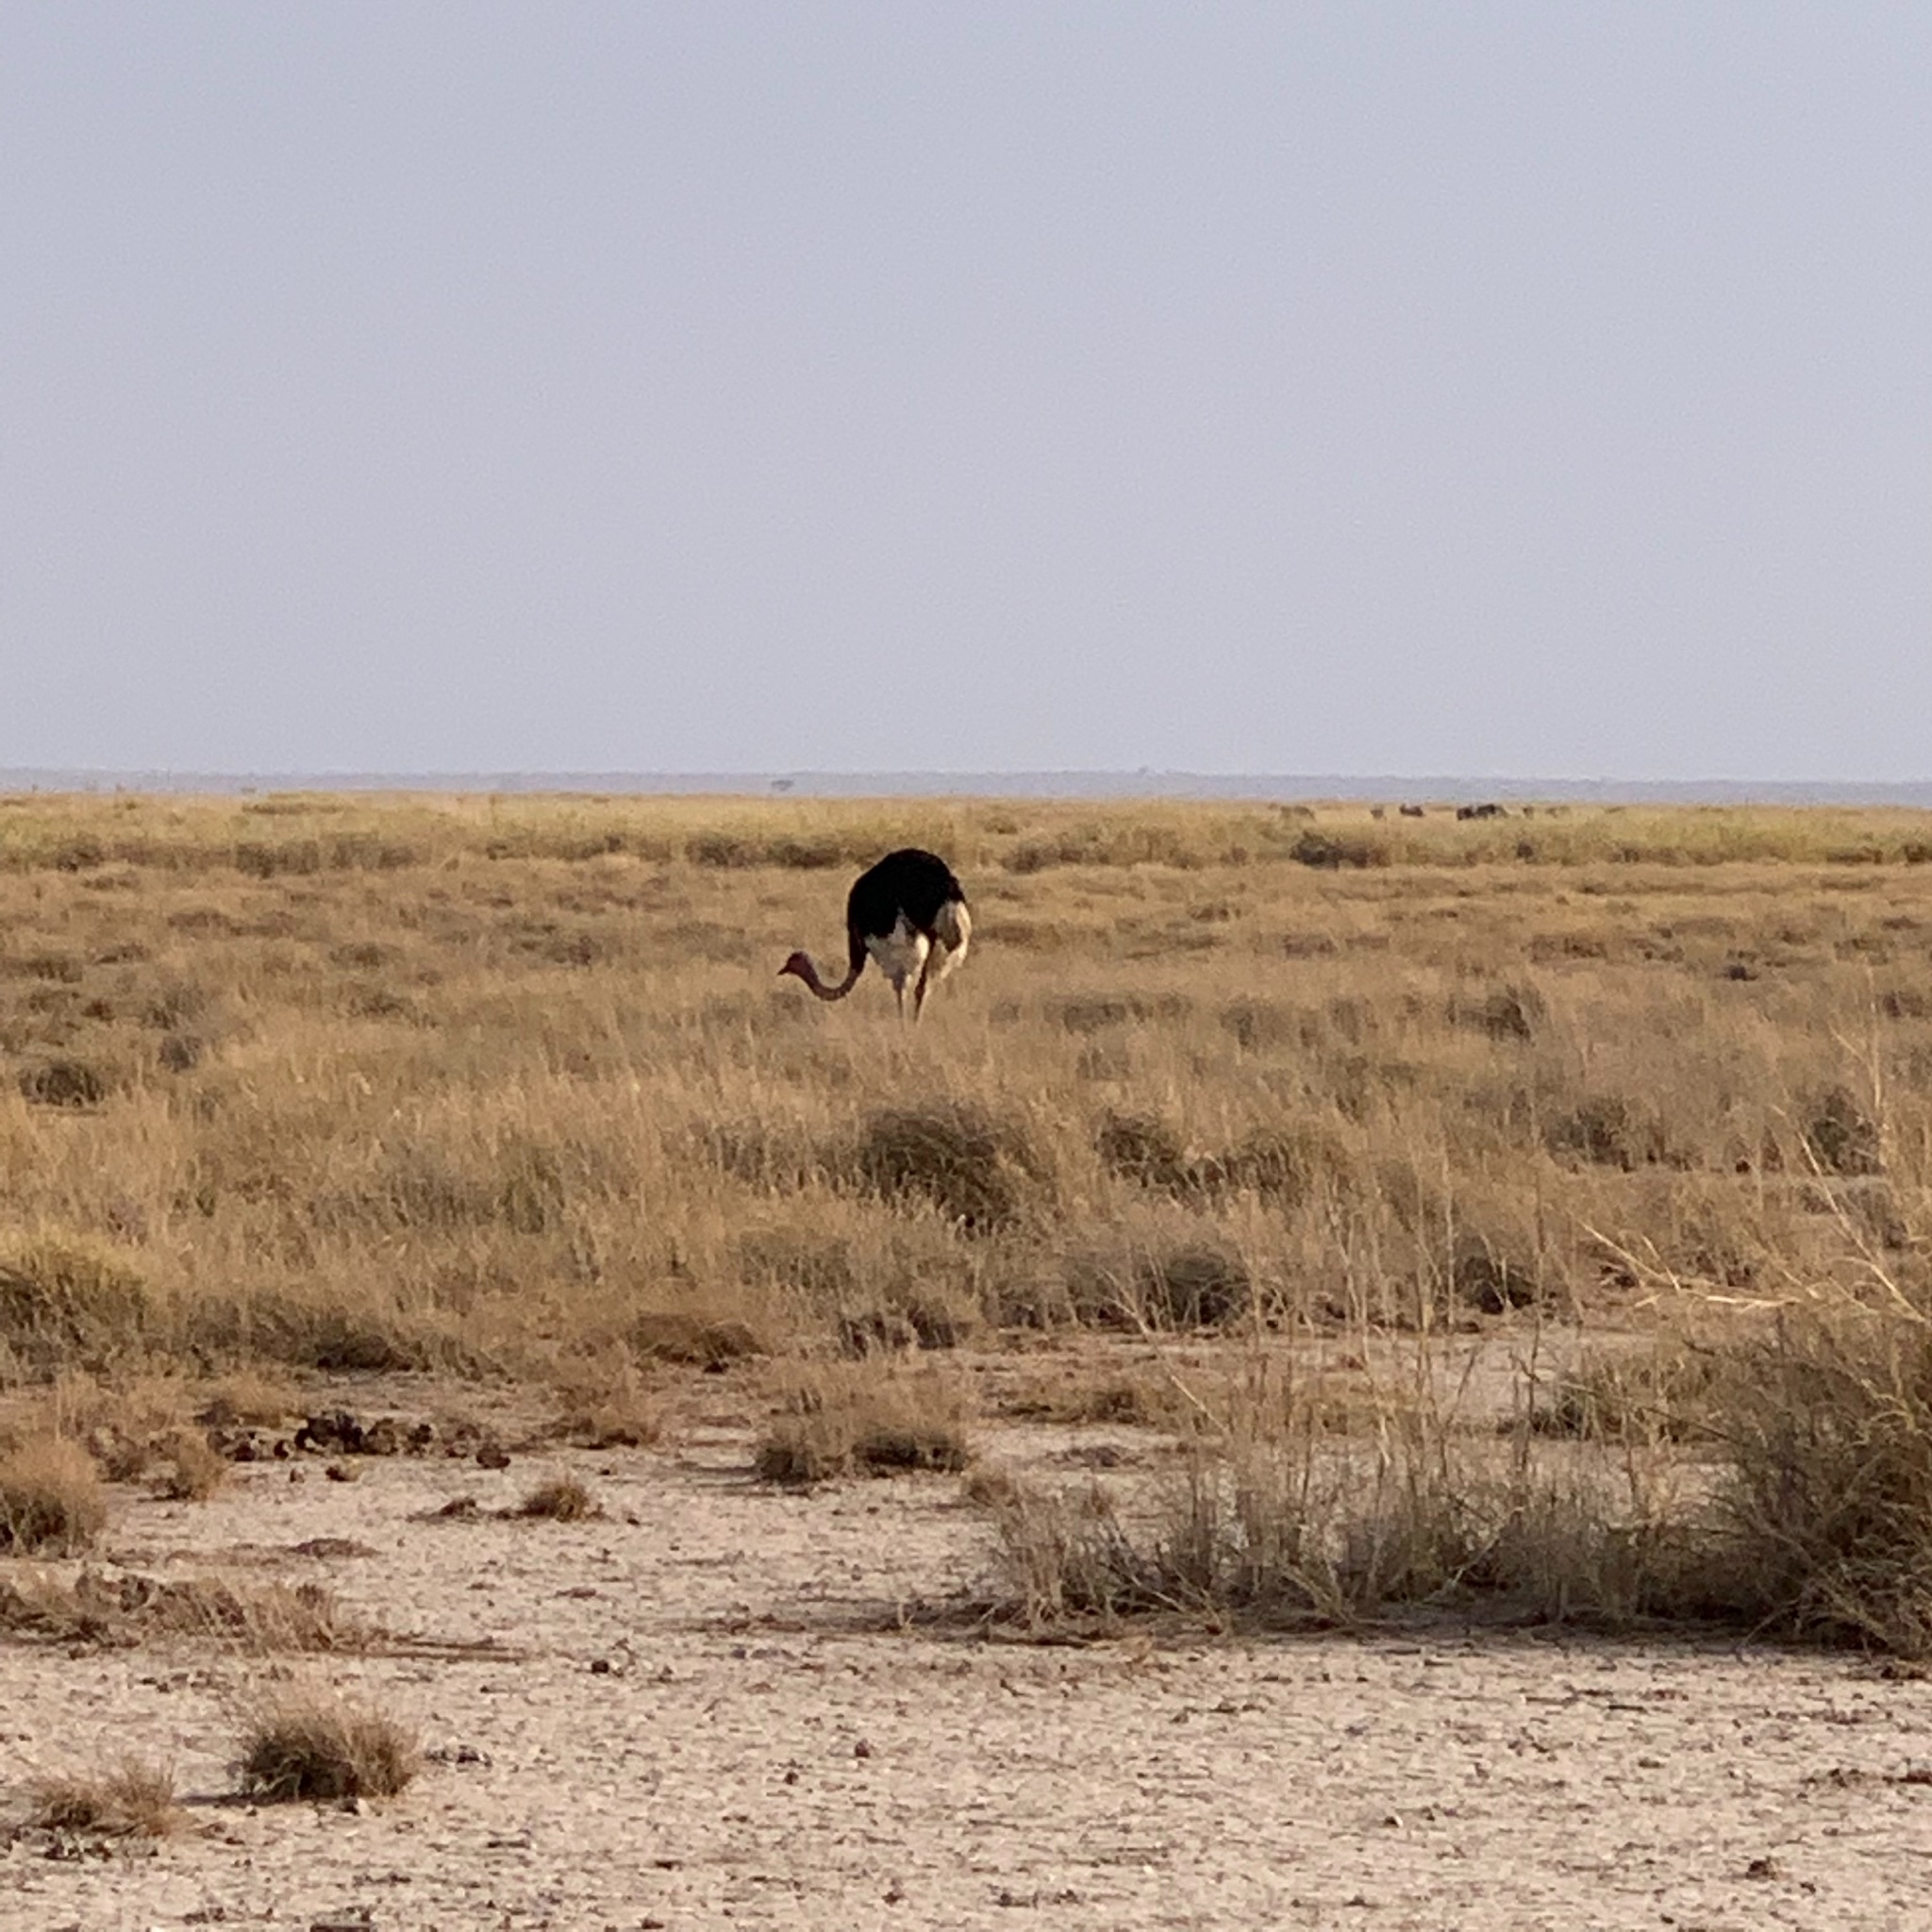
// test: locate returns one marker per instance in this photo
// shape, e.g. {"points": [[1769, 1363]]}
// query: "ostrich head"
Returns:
{"points": [[799, 967]]}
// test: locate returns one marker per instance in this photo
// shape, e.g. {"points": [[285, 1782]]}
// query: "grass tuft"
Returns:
{"points": [[863, 1420], [311, 1744], [969, 1164], [52, 1503], [134, 1799], [562, 1499]]}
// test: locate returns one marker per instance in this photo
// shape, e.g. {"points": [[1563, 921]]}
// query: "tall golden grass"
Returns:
{"points": [[491, 1080], [509, 1085]]}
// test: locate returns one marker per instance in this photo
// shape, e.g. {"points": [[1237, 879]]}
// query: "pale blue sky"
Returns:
{"points": [[1527, 390]]}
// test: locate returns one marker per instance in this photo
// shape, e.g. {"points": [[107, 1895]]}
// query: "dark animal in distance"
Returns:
{"points": [[907, 912], [1482, 811]]}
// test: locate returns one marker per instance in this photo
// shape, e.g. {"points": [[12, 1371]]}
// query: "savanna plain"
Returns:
{"points": [[1359, 1369]]}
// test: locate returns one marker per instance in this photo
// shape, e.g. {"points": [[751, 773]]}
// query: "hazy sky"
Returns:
{"points": [[1531, 389]]}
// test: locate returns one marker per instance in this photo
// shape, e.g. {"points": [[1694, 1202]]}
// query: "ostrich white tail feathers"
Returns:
{"points": [[953, 929]]}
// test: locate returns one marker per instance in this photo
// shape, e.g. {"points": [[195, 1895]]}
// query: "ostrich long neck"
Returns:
{"points": [[810, 977]]}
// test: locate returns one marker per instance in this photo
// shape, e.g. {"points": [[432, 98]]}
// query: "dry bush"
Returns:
{"points": [[560, 1499], [134, 1799], [607, 1409], [1164, 1285], [51, 1500], [313, 1744], [1279, 1534], [1826, 1498], [868, 1421], [974, 1167], [191, 1470], [248, 1398], [69, 1303], [129, 1609], [1803, 1508], [1665, 1390], [675, 1335], [1123, 1398]]}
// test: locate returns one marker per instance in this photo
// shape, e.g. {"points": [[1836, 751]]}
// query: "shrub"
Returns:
{"points": [[64, 1083], [133, 1800], [562, 1499], [957, 1156], [69, 1303], [191, 1470], [863, 1422], [1331, 851], [1840, 1136], [51, 1500], [308, 1744], [1139, 1148], [1827, 1429]]}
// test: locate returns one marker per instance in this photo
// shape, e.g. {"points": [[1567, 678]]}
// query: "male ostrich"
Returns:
{"points": [[909, 912]]}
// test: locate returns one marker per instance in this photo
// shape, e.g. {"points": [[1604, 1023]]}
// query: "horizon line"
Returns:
{"points": [[1039, 782]]}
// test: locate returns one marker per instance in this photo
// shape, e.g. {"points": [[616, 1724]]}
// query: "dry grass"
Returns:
{"points": [[134, 1799], [607, 1409], [191, 1470], [839, 1421], [508, 1086], [248, 1398], [127, 1609], [51, 1500], [500, 1085], [560, 1499], [317, 1746]]}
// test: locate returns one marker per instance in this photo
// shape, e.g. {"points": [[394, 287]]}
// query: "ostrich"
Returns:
{"points": [[909, 912]]}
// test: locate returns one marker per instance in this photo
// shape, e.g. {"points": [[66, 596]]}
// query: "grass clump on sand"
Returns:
{"points": [[1827, 1427], [863, 1420], [607, 1410], [52, 1503], [117, 1612], [313, 1744], [562, 1499], [191, 1470], [134, 1799], [1805, 1512]]}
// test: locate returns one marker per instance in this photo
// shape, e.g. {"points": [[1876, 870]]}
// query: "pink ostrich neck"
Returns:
{"points": [[810, 977]]}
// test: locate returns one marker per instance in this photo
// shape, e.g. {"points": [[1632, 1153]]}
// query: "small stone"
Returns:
{"points": [[493, 1455]]}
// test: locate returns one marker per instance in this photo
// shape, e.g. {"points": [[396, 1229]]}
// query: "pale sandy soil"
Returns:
{"points": [[754, 1756]]}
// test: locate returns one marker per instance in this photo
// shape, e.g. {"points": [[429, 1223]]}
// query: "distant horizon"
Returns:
{"points": [[1072, 785]]}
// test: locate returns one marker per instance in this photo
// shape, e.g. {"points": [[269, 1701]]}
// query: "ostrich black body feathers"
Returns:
{"points": [[915, 885], [909, 914]]}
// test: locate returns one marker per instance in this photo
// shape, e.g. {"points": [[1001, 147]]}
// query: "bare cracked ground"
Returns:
{"points": [[688, 1723]]}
